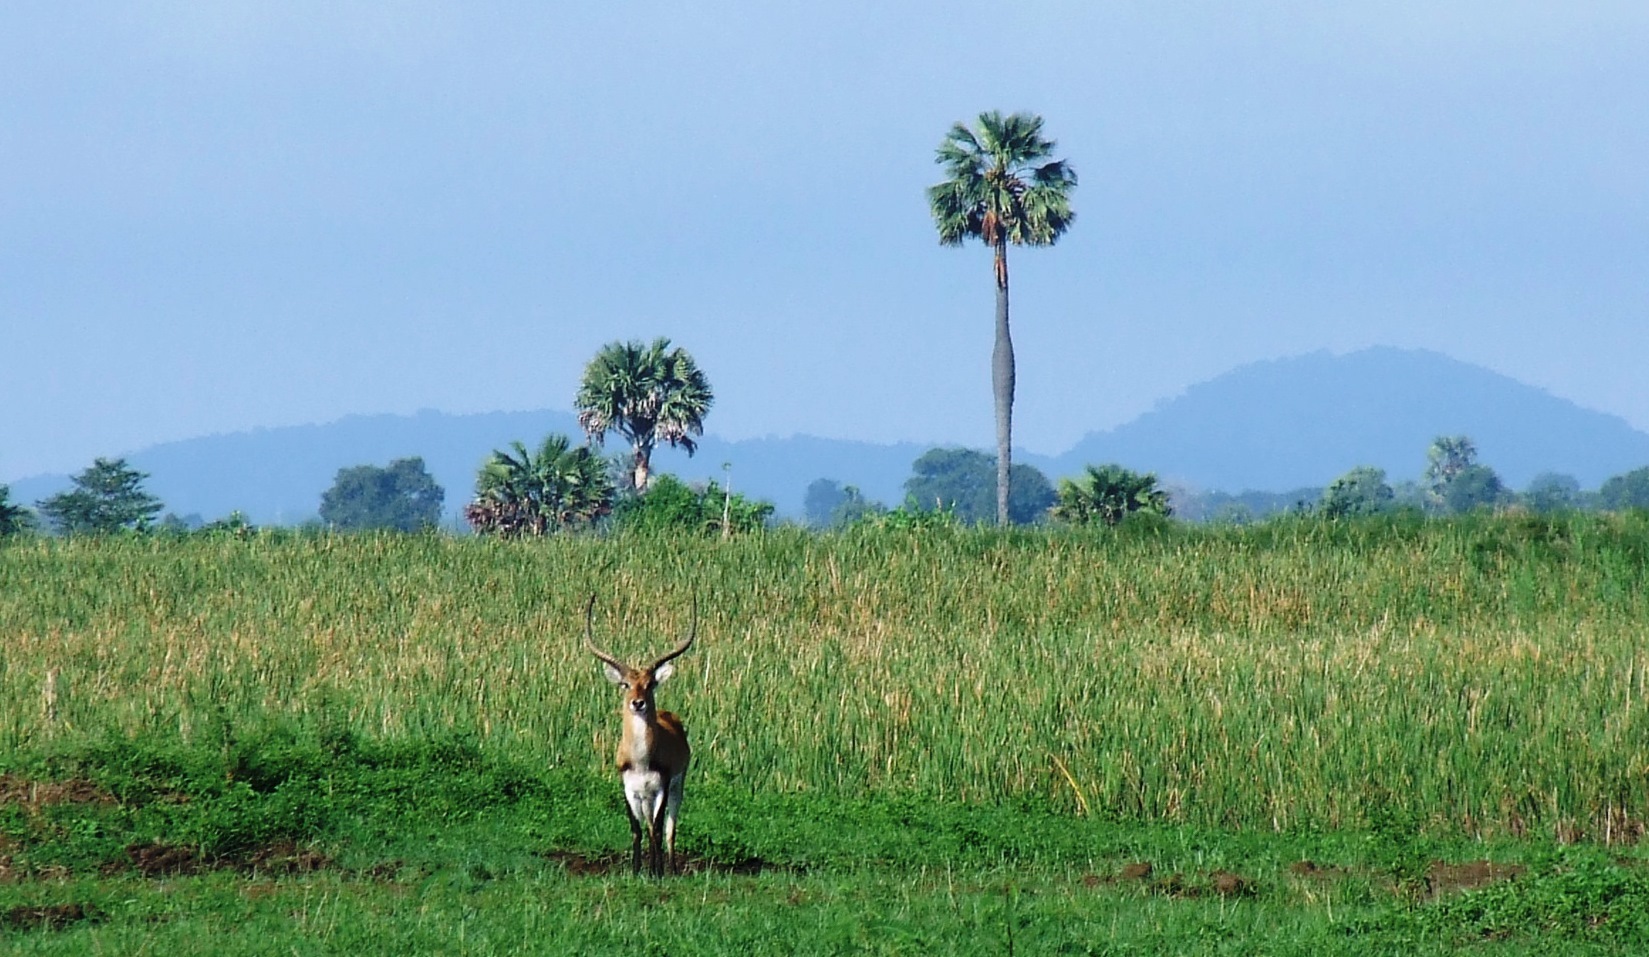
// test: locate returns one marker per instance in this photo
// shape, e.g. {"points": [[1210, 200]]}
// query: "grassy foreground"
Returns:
{"points": [[1326, 738]]}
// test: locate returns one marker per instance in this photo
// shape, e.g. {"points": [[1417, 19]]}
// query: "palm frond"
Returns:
{"points": [[998, 186]]}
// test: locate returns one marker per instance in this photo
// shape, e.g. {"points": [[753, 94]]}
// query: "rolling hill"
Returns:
{"points": [[1274, 425]]}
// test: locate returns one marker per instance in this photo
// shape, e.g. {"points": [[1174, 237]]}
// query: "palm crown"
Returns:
{"points": [[525, 494], [1001, 186], [647, 394]]}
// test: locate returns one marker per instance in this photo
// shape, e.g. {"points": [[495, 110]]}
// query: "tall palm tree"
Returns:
{"points": [[525, 494], [647, 394], [1002, 187]]}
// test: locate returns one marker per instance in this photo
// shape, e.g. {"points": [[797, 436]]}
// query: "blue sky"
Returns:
{"points": [[223, 216]]}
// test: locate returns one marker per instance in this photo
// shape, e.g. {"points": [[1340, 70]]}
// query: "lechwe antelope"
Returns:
{"points": [[653, 754]]}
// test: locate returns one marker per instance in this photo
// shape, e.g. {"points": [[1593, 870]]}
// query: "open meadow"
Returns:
{"points": [[1303, 736]]}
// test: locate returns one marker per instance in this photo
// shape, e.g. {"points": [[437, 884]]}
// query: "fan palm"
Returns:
{"points": [[527, 494], [647, 394], [1002, 187], [1108, 494]]}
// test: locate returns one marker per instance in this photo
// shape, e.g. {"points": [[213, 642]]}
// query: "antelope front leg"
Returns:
{"points": [[655, 835], [635, 845]]}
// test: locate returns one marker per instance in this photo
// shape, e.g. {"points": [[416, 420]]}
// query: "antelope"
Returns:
{"points": [[653, 754]]}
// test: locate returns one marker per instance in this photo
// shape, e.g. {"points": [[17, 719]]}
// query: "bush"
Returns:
{"points": [[669, 504]]}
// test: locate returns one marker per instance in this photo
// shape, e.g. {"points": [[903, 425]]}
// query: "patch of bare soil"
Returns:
{"points": [[51, 917], [1621, 828], [171, 860], [1444, 880], [587, 865], [1227, 884], [1137, 871], [1222, 883], [34, 795], [1311, 870]]}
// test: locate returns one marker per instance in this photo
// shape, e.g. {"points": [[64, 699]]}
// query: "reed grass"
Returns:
{"points": [[1487, 675]]}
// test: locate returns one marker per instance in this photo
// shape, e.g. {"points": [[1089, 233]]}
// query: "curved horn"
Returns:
{"points": [[691, 632], [589, 637]]}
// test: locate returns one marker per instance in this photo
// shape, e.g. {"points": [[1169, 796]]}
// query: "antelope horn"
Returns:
{"points": [[691, 632], [589, 637]]}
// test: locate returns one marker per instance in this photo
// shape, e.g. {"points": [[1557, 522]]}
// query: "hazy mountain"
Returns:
{"points": [[1306, 420], [1275, 426], [278, 475]]}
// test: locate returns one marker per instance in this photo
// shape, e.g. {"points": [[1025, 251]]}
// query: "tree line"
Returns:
{"points": [[561, 487], [958, 482]]}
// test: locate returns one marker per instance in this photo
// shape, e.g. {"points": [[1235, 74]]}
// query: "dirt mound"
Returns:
{"points": [[1139, 871], [37, 794], [1312, 870], [51, 917], [1227, 884], [1220, 882], [1443, 880], [584, 865], [172, 860]]}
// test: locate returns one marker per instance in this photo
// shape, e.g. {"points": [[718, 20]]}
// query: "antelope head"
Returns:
{"points": [[639, 684]]}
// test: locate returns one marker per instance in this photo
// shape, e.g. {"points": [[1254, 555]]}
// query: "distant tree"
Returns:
{"points": [[14, 519], [964, 482], [107, 497], [1002, 186], [402, 497], [1361, 491], [1448, 456], [823, 497], [1630, 490], [831, 505], [854, 508], [1474, 487], [174, 524], [1232, 513], [1107, 494], [1238, 509], [562, 486], [647, 394], [673, 505], [1409, 494], [1552, 492], [234, 524]]}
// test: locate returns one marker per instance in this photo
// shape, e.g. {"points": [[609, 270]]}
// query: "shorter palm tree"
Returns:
{"points": [[647, 394], [1109, 494], [525, 494]]}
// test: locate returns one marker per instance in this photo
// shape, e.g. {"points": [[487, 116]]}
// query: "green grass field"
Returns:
{"points": [[1391, 736]]}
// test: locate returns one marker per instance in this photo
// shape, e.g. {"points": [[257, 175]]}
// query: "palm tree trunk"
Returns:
{"points": [[1002, 384], [643, 466]]}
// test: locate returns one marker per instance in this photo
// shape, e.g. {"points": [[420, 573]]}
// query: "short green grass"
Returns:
{"points": [[292, 843]]}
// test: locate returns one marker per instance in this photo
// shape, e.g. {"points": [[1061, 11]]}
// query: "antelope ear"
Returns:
{"points": [[663, 672], [613, 674]]}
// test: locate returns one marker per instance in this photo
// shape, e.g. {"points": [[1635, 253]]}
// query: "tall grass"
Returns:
{"points": [[1485, 675]]}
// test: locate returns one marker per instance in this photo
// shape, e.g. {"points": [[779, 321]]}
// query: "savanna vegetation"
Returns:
{"points": [[1375, 735]]}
